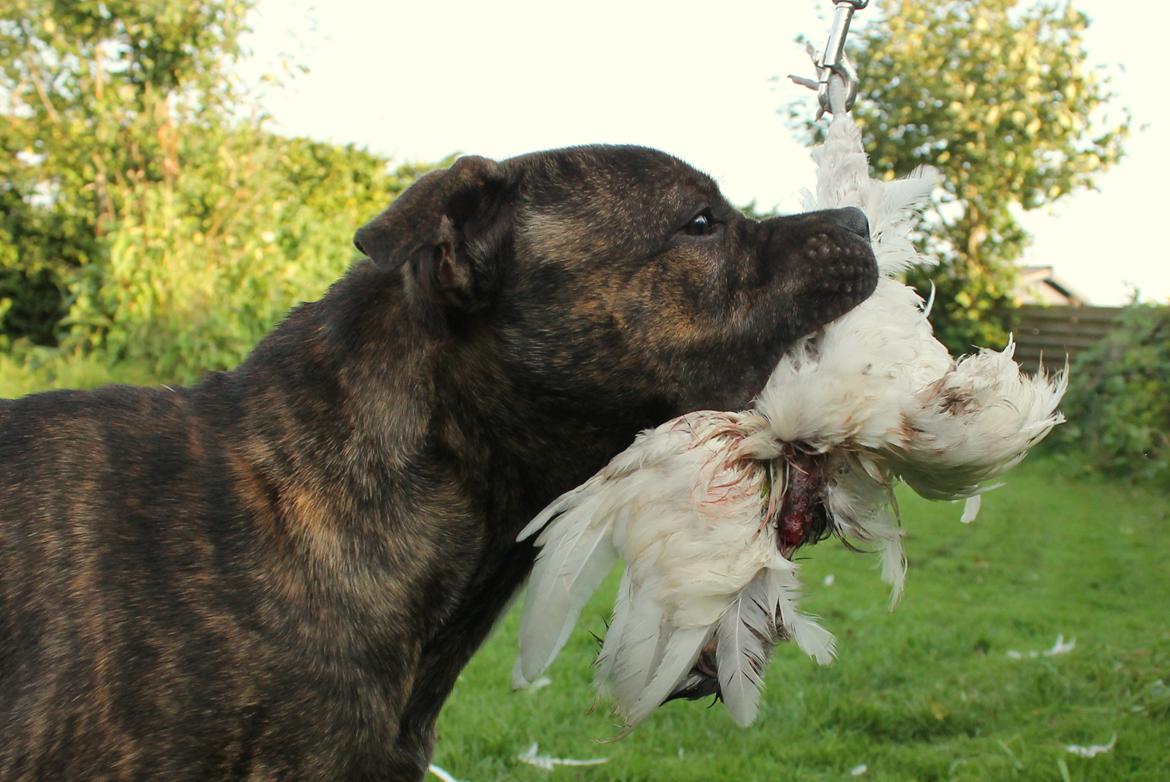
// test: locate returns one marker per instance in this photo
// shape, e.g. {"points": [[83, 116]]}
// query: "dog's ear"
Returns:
{"points": [[444, 230]]}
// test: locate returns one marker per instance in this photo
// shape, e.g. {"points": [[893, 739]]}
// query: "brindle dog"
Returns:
{"points": [[279, 572]]}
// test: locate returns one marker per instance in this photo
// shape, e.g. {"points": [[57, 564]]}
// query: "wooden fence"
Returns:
{"points": [[1056, 331]]}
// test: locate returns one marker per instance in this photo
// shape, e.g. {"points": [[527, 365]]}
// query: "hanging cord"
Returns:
{"points": [[836, 95]]}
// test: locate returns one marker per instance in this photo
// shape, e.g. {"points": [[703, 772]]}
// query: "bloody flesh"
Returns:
{"points": [[803, 516]]}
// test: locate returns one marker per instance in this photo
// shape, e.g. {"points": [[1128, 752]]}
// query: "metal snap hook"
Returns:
{"points": [[833, 60]]}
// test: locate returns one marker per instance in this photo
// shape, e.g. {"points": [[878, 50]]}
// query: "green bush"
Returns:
{"points": [[1118, 404], [189, 271], [96, 95], [199, 266], [147, 216]]}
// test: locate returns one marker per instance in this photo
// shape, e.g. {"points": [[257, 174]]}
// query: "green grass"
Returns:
{"points": [[925, 693]]}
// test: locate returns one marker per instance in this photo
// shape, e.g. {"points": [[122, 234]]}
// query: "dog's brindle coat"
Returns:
{"points": [[279, 573]]}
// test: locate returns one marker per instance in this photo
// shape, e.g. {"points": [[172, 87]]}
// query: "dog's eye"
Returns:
{"points": [[701, 224]]}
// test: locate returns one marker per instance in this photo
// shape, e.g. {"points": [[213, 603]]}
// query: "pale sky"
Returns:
{"points": [[420, 80]]}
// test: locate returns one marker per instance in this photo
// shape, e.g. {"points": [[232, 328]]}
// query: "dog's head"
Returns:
{"points": [[619, 277]]}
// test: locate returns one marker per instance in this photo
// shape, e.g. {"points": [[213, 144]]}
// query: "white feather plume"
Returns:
{"points": [[690, 506], [745, 637]]}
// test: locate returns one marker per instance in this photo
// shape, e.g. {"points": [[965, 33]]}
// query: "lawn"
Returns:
{"points": [[932, 691]]}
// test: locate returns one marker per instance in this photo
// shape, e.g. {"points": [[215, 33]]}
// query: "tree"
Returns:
{"points": [[94, 92], [998, 95], [149, 215]]}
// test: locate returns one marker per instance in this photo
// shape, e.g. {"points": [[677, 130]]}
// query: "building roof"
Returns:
{"points": [[1041, 285]]}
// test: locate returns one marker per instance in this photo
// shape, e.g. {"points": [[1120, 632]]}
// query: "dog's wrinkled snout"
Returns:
{"points": [[850, 218], [826, 263]]}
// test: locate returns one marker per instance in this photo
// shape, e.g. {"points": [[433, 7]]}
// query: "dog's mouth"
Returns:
{"points": [[839, 271], [802, 518]]}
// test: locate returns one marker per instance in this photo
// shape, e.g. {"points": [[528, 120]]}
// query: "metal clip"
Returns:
{"points": [[833, 59]]}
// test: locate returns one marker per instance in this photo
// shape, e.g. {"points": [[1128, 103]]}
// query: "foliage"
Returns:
{"points": [[1118, 404], [201, 266], [148, 215], [929, 692], [998, 95], [95, 92]]}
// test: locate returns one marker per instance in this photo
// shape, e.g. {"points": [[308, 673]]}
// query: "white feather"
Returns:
{"points": [[575, 556], [631, 652], [745, 637], [784, 592], [678, 650], [617, 626]]}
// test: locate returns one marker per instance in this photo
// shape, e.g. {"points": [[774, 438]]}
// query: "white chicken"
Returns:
{"points": [[707, 509]]}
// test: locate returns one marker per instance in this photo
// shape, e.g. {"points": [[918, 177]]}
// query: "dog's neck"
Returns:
{"points": [[375, 429], [362, 386]]}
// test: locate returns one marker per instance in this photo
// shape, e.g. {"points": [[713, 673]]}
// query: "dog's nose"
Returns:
{"points": [[850, 218]]}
